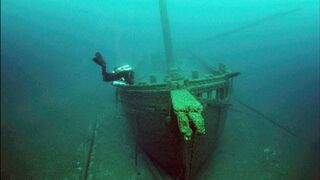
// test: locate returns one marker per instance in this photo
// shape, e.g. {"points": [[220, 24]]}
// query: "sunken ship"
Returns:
{"points": [[177, 121]]}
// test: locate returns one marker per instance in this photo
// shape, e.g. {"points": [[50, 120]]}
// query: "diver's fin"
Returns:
{"points": [[98, 59]]}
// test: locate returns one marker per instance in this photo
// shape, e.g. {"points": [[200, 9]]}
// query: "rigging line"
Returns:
{"points": [[271, 120], [307, 141], [90, 152], [249, 25], [239, 111], [203, 62]]}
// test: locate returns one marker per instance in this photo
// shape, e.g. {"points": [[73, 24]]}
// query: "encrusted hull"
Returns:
{"points": [[157, 131]]}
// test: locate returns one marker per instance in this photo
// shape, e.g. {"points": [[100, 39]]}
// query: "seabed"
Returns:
{"points": [[244, 152]]}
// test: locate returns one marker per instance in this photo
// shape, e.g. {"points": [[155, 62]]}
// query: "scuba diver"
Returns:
{"points": [[121, 75]]}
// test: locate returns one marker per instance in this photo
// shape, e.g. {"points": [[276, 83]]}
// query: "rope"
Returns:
{"points": [[272, 121], [301, 139], [90, 152], [248, 25]]}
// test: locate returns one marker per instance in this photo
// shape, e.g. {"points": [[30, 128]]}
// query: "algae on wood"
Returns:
{"points": [[188, 111]]}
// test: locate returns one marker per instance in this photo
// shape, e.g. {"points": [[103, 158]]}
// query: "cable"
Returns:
{"points": [[271, 120], [90, 152], [249, 25]]}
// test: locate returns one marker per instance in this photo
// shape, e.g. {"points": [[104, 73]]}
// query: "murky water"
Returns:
{"points": [[52, 92]]}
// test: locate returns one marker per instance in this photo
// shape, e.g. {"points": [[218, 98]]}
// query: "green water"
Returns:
{"points": [[52, 93]]}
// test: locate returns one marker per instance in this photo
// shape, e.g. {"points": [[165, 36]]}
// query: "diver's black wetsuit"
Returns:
{"points": [[128, 76]]}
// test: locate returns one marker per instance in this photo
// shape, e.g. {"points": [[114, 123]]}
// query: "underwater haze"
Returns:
{"points": [[52, 93]]}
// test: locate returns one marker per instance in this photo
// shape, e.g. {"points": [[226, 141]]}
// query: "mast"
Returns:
{"points": [[166, 33]]}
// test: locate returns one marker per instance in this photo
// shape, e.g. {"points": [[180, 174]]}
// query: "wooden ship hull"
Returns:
{"points": [[149, 107], [177, 122]]}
